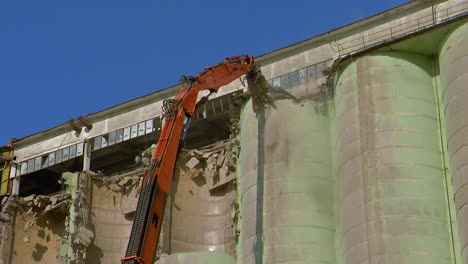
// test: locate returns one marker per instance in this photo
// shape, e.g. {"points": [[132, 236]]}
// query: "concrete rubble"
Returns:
{"points": [[32, 227], [62, 227], [217, 163]]}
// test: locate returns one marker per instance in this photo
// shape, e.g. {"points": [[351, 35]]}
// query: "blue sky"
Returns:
{"points": [[62, 59]]}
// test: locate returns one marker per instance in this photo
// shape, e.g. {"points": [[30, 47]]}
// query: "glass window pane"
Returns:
{"points": [[328, 63], [18, 170], [103, 141], [45, 161], [311, 73], [149, 126], [72, 151], [119, 136], [66, 154], [126, 133], [112, 138], [58, 156], [24, 168], [141, 128], [30, 165], [79, 149], [276, 83], [134, 131], [294, 78], [320, 68], [285, 81], [37, 163], [51, 158], [97, 143], [302, 76]]}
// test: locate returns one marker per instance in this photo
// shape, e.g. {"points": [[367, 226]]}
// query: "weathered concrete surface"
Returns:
{"points": [[295, 209], [392, 200], [454, 79]]}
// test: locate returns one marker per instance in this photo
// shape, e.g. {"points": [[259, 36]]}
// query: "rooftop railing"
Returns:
{"points": [[436, 17]]}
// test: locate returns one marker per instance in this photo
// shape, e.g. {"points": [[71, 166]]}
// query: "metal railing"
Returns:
{"points": [[409, 27]]}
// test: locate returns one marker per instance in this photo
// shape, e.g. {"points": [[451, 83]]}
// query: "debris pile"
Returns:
{"points": [[36, 205], [32, 227], [125, 183], [216, 163]]}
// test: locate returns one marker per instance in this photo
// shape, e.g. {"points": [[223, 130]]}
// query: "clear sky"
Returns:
{"points": [[60, 59]]}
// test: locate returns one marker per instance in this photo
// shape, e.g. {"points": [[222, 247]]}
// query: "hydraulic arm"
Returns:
{"points": [[157, 179]]}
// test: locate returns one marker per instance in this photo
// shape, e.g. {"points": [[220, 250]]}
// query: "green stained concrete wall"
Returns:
{"points": [[247, 187], [453, 59], [391, 194], [66, 251], [297, 188]]}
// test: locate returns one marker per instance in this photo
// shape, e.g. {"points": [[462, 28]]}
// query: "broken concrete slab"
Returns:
{"points": [[192, 163], [85, 236]]}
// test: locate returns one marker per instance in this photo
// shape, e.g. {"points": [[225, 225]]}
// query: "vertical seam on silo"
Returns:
{"points": [[258, 246], [361, 92], [444, 161]]}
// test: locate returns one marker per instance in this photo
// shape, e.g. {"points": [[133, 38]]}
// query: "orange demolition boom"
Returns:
{"points": [[158, 176]]}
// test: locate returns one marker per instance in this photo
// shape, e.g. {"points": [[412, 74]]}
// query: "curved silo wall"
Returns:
{"points": [[391, 194], [288, 149], [199, 219], [453, 63]]}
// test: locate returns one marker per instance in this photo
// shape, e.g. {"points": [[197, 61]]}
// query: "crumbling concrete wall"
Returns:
{"points": [[37, 225], [200, 212]]}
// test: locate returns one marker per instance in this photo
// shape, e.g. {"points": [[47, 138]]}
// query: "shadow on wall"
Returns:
{"points": [[37, 237]]}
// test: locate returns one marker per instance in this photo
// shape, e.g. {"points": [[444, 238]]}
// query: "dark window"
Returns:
{"points": [[294, 78]]}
